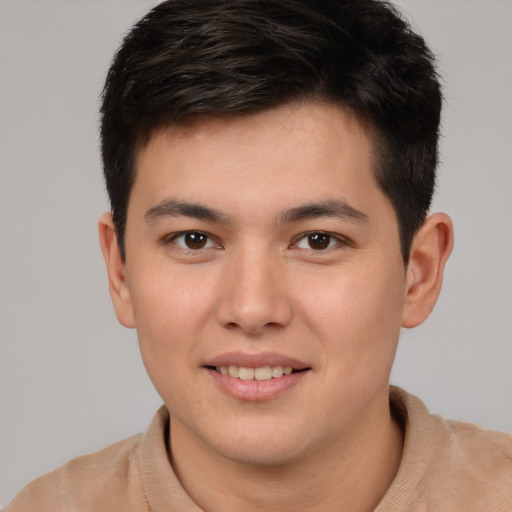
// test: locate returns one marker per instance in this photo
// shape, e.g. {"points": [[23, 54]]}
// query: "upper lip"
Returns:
{"points": [[256, 360]]}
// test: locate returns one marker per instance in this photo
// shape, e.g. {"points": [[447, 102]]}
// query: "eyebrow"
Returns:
{"points": [[174, 208], [338, 208]]}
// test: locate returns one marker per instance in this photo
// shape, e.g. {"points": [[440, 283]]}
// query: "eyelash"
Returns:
{"points": [[333, 241], [172, 239]]}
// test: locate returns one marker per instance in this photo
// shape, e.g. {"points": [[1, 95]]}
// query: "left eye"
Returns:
{"points": [[193, 240], [317, 241]]}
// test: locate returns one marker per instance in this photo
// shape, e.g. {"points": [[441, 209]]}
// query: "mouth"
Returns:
{"points": [[256, 377], [260, 373]]}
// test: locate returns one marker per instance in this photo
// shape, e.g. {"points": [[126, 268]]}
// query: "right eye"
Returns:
{"points": [[317, 241], [193, 240]]}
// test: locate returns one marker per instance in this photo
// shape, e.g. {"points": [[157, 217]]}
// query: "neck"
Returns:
{"points": [[352, 472]]}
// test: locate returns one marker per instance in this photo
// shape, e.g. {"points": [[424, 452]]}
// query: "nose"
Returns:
{"points": [[254, 296]]}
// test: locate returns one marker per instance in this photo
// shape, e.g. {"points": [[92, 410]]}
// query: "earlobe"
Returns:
{"points": [[430, 250], [118, 285]]}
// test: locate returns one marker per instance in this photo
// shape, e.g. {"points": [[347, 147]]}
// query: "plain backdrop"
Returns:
{"points": [[71, 380]]}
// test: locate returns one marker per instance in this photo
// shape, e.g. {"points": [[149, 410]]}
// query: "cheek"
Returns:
{"points": [[170, 314], [168, 302], [166, 343], [357, 316]]}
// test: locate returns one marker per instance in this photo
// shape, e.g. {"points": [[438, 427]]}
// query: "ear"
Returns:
{"points": [[430, 250], [116, 270]]}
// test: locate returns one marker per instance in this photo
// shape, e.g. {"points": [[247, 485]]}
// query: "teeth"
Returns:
{"points": [[246, 373], [263, 373], [277, 371], [260, 373]]}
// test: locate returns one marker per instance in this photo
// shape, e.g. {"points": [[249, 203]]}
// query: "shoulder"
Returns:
{"points": [[484, 454], [449, 465], [463, 442], [473, 468], [102, 481]]}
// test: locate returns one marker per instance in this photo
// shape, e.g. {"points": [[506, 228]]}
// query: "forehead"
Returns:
{"points": [[292, 154]]}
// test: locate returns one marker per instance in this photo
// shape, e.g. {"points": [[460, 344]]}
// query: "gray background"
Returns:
{"points": [[70, 378]]}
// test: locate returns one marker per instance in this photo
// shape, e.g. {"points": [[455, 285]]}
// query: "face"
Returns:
{"points": [[255, 247]]}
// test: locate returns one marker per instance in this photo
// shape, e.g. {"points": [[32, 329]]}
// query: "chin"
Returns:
{"points": [[264, 457], [262, 445]]}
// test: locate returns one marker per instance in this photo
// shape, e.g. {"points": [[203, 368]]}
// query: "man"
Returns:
{"points": [[270, 166]]}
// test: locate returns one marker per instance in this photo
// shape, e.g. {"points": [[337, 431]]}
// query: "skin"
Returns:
{"points": [[263, 288]]}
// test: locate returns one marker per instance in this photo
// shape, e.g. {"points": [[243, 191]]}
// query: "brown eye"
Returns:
{"points": [[194, 240], [319, 241]]}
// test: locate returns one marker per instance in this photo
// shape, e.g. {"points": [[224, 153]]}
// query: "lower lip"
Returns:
{"points": [[256, 390]]}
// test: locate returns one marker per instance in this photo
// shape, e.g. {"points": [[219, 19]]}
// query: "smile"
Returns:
{"points": [[257, 380], [261, 373]]}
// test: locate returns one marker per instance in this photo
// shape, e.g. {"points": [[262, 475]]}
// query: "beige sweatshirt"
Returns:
{"points": [[447, 466]]}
